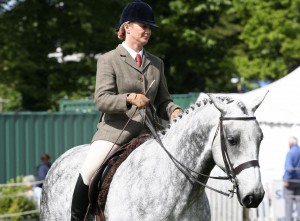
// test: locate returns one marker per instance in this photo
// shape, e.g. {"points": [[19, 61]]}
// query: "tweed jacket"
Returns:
{"points": [[117, 76]]}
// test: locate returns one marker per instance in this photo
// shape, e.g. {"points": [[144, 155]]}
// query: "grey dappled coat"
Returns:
{"points": [[117, 76]]}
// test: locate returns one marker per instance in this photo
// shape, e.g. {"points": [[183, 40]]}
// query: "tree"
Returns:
{"points": [[203, 44], [194, 41], [269, 41], [28, 38]]}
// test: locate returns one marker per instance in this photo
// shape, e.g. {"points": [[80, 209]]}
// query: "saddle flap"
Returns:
{"points": [[101, 180], [99, 176]]}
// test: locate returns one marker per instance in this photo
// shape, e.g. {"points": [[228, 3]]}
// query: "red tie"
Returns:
{"points": [[138, 60]]}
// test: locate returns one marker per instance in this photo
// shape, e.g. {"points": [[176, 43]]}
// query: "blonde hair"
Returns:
{"points": [[121, 31]]}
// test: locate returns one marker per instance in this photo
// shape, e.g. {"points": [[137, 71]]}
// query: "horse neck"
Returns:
{"points": [[189, 139]]}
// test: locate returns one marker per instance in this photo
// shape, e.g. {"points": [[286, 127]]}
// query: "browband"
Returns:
{"points": [[237, 118]]}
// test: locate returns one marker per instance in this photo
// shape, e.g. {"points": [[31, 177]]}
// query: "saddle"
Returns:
{"points": [[100, 182]]}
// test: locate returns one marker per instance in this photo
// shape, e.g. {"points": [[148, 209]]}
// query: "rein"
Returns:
{"points": [[230, 171]]}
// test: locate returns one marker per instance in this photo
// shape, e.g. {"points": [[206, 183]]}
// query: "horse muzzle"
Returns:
{"points": [[252, 200]]}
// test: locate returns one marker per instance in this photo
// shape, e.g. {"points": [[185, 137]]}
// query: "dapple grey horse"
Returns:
{"points": [[150, 185]]}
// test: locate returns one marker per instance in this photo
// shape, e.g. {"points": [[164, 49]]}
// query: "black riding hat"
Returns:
{"points": [[138, 11]]}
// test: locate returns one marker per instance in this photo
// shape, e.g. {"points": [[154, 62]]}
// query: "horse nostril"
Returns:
{"points": [[248, 200], [252, 200]]}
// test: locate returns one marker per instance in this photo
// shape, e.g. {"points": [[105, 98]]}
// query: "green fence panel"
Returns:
{"points": [[82, 106], [24, 136], [85, 106], [185, 100]]}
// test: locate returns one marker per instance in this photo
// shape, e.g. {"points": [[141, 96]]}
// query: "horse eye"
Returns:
{"points": [[231, 141]]}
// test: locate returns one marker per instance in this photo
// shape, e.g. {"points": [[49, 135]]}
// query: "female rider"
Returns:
{"points": [[122, 81]]}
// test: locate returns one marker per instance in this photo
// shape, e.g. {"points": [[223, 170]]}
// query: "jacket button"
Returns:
{"points": [[141, 79]]}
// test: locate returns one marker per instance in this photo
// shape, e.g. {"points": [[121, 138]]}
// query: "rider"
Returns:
{"points": [[121, 87]]}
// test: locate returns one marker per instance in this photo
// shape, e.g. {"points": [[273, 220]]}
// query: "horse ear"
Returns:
{"points": [[256, 102], [218, 104]]}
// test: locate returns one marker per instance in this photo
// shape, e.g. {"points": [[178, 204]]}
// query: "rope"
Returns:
{"points": [[292, 196], [293, 180], [19, 214], [12, 195], [293, 168], [20, 184]]}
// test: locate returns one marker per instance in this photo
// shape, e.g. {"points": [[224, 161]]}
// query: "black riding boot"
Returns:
{"points": [[80, 201]]}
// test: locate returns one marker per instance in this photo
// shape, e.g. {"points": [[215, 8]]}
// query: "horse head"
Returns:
{"points": [[240, 135]]}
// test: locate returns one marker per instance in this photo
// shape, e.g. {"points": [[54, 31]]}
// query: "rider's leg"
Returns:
{"points": [[80, 200], [98, 151]]}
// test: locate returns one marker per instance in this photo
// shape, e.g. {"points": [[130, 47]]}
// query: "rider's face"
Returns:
{"points": [[138, 33]]}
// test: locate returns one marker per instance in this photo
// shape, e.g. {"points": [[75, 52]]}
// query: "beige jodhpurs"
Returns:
{"points": [[98, 151]]}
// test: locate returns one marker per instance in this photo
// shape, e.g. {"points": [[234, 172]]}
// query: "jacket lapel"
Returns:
{"points": [[130, 61], [146, 61], [127, 57]]}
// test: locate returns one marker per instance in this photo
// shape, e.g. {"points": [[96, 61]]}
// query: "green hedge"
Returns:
{"points": [[13, 199]]}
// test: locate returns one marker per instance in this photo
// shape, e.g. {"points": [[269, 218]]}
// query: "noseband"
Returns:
{"points": [[230, 171]]}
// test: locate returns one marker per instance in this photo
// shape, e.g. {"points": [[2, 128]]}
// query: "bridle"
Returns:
{"points": [[231, 172], [229, 169]]}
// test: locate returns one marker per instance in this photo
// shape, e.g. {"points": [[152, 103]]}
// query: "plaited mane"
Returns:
{"points": [[243, 107], [201, 104]]}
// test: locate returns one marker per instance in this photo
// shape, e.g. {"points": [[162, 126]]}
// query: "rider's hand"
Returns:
{"points": [[175, 113], [139, 100]]}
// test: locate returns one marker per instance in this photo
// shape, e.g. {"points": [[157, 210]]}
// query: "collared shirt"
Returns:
{"points": [[131, 51], [292, 164]]}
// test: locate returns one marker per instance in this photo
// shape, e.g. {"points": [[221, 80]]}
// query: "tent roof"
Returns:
{"points": [[282, 103]]}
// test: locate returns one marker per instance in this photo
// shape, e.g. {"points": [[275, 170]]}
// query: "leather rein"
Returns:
{"points": [[230, 170]]}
